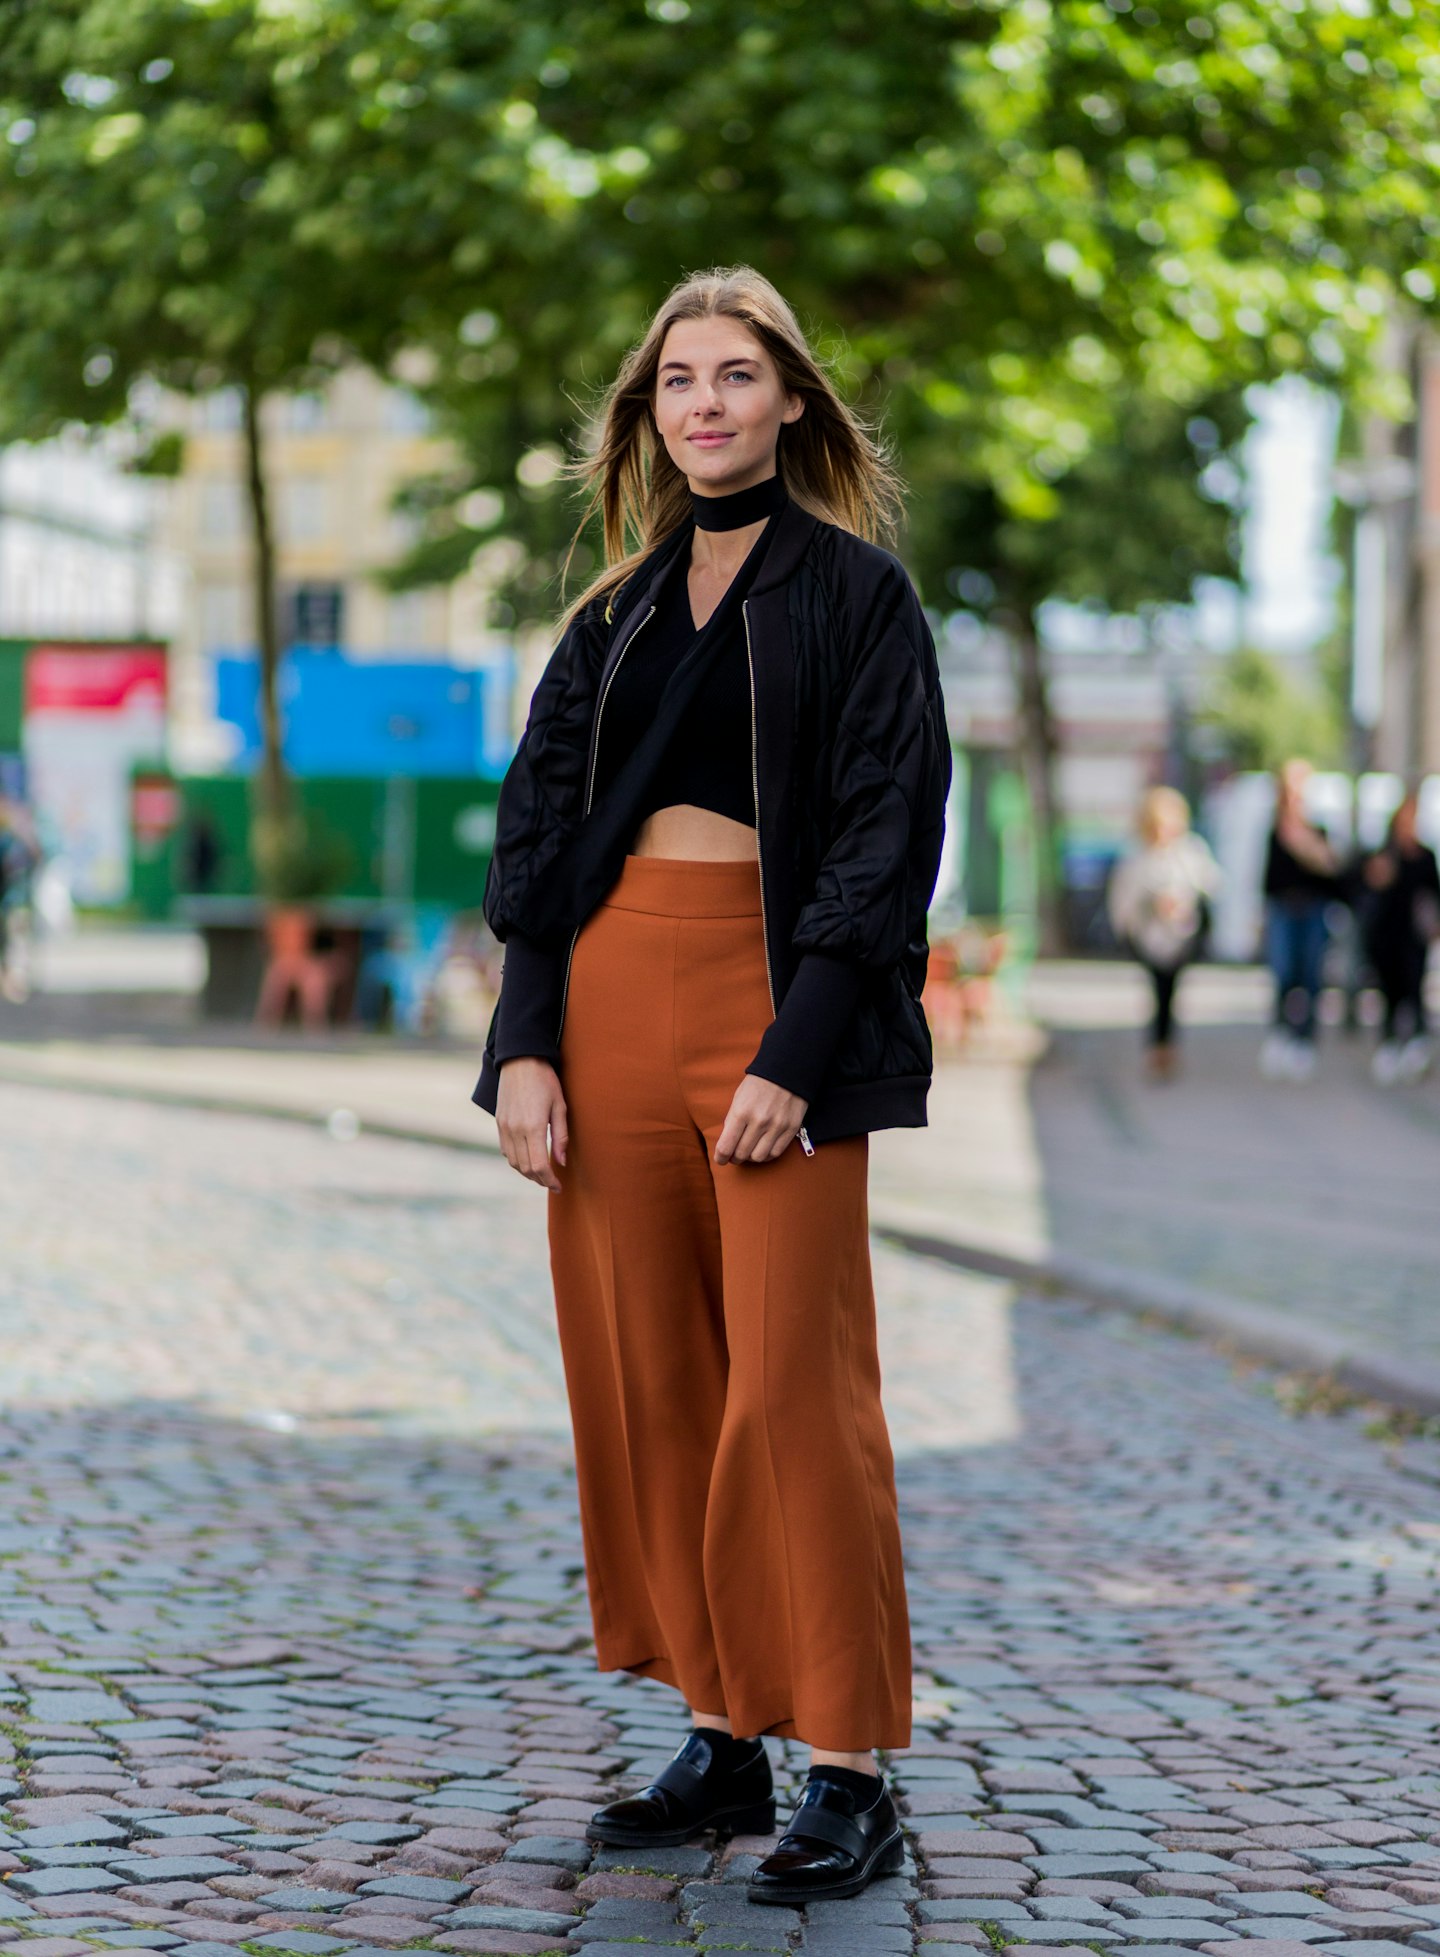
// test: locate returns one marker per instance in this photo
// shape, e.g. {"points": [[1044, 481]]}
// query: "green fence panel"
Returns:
{"points": [[353, 809], [221, 805], [215, 814], [422, 841], [454, 835], [12, 693]]}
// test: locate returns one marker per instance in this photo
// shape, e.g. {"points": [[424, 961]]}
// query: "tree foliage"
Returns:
{"points": [[1008, 221], [1050, 241], [1262, 713], [156, 225]]}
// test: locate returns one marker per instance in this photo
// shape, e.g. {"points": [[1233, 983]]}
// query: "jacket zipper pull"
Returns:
{"points": [[806, 1143]]}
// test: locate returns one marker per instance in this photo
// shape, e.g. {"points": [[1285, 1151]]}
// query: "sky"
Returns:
{"points": [[1290, 573]]}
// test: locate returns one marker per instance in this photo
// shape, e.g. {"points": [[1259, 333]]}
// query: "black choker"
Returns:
{"points": [[741, 506]]}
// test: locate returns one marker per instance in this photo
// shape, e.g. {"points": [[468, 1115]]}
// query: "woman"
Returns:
{"points": [[715, 851], [1402, 888], [1157, 902], [1302, 880]]}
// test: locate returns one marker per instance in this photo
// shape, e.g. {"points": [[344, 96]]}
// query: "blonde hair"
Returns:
{"points": [[1162, 809], [828, 459]]}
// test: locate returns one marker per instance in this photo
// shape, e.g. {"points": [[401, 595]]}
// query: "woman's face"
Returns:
{"points": [[1170, 825], [720, 405]]}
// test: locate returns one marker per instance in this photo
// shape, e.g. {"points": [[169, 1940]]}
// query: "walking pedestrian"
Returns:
{"points": [[1302, 880], [1157, 902], [715, 851], [1402, 892]]}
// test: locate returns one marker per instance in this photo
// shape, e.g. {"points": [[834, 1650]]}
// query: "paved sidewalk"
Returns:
{"points": [[1299, 1222], [294, 1654]]}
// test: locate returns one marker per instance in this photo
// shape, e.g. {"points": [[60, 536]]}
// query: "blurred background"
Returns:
{"points": [[303, 309]]}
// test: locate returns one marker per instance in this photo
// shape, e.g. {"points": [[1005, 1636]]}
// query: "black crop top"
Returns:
{"points": [[709, 762]]}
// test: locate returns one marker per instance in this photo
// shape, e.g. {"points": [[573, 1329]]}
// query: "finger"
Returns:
{"points": [[545, 1165], [532, 1153], [729, 1136], [537, 1156], [559, 1130], [771, 1144], [746, 1141]]}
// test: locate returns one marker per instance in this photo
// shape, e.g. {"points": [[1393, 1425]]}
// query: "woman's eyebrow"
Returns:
{"points": [[739, 360]]}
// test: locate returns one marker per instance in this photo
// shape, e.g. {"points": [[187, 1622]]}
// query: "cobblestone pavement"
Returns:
{"points": [[293, 1642]]}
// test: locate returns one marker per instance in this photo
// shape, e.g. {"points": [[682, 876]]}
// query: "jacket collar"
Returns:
{"points": [[652, 575], [794, 528]]}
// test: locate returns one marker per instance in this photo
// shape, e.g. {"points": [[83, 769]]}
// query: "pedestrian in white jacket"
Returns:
{"points": [[1157, 900]]}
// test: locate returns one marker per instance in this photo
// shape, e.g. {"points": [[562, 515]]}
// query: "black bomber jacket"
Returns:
{"points": [[852, 771]]}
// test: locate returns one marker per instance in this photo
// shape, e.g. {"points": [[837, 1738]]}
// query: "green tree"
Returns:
{"points": [[1130, 529], [1262, 713], [155, 226], [1022, 226], [1027, 231]]}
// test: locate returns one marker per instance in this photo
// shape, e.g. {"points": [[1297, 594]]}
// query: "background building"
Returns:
{"points": [[1394, 491], [335, 461], [80, 553]]}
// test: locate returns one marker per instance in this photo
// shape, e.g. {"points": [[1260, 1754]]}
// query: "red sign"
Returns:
{"points": [[93, 679]]}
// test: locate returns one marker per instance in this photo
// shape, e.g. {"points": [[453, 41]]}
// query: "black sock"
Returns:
{"points": [[866, 1788], [726, 1750]]}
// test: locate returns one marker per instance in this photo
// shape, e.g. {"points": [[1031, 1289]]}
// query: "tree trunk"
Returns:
{"points": [[272, 781], [1038, 750]]}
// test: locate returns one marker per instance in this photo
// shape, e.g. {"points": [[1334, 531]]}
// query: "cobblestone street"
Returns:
{"points": [[294, 1651]]}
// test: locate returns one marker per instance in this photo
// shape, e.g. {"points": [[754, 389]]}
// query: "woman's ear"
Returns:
{"points": [[794, 407]]}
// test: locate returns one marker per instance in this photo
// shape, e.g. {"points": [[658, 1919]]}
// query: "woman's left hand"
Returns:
{"points": [[763, 1121]]}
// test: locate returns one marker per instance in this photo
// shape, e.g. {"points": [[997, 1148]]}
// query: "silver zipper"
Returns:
{"points": [[755, 791], [805, 1142], [590, 791]]}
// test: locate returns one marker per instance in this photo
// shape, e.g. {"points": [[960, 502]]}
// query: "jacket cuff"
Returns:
{"points": [[528, 1020], [800, 1042]]}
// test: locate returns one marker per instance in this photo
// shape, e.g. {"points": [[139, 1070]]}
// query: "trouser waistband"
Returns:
{"points": [[670, 886]]}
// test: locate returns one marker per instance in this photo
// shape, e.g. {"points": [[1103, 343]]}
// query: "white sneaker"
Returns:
{"points": [[1415, 1057], [1302, 1060], [1387, 1063], [1275, 1057]]}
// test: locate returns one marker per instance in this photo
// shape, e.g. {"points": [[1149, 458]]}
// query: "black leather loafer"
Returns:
{"points": [[829, 1850], [693, 1792]]}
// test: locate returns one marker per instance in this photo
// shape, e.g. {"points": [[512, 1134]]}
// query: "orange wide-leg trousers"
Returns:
{"points": [[737, 1489]]}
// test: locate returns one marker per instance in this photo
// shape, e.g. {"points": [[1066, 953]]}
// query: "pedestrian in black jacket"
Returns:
{"points": [[1402, 920], [1303, 879], [715, 851]]}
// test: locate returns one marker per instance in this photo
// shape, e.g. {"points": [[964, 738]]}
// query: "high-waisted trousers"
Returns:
{"points": [[737, 1488]]}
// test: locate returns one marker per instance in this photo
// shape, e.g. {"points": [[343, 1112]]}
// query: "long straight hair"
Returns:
{"points": [[829, 460]]}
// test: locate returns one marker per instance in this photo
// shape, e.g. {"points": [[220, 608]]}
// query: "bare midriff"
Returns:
{"points": [[695, 836]]}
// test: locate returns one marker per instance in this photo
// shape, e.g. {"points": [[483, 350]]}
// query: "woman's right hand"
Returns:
{"points": [[530, 1114]]}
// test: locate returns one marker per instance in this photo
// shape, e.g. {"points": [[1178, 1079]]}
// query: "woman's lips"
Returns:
{"points": [[709, 441]]}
